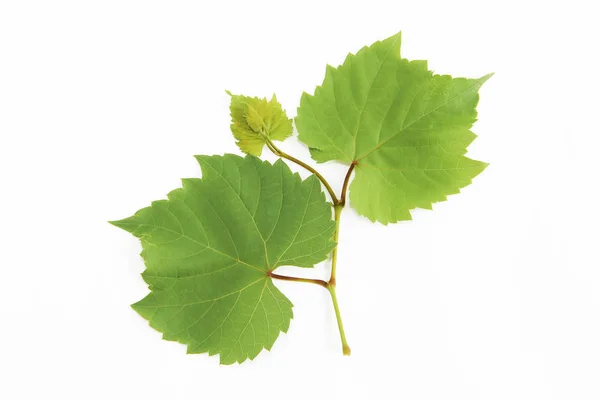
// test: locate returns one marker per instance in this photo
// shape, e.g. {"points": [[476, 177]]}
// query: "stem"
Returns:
{"points": [[345, 347], [280, 153], [338, 213], [338, 206], [295, 279], [346, 181], [337, 209]]}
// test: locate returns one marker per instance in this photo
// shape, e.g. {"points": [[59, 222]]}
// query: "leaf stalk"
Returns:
{"points": [[282, 154], [296, 279], [342, 201]]}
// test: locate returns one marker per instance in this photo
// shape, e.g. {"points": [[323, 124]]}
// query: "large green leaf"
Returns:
{"points": [[406, 129], [209, 248]]}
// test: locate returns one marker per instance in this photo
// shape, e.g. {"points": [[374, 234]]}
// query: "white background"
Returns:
{"points": [[493, 295]]}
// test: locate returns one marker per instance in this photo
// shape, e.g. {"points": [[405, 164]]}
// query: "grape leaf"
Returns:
{"points": [[405, 129], [210, 247], [253, 118]]}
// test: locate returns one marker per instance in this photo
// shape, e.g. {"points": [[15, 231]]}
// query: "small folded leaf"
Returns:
{"points": [[404, 128], [209, 249], [254, 119]]}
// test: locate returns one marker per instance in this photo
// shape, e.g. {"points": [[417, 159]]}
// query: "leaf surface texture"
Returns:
{"points": [[209, 247], [405, 128]]}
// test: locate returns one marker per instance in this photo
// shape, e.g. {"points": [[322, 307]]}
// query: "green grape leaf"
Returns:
{"points": [[405, 129], [253, 120], [210, 248]]}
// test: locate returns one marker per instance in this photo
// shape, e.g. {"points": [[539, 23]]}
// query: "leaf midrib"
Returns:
{"points": [[182, 235], [404, 128], [360, 116]]}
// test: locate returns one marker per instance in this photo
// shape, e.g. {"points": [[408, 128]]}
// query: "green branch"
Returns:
{"points": [[338, 206], [332, 280], [281, 154]]}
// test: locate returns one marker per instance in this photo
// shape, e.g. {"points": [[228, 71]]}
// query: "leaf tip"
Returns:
{"points": [[484, 78], [394, 41], [124, 224], [201, 159], [227, 361], [138, 308]]}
